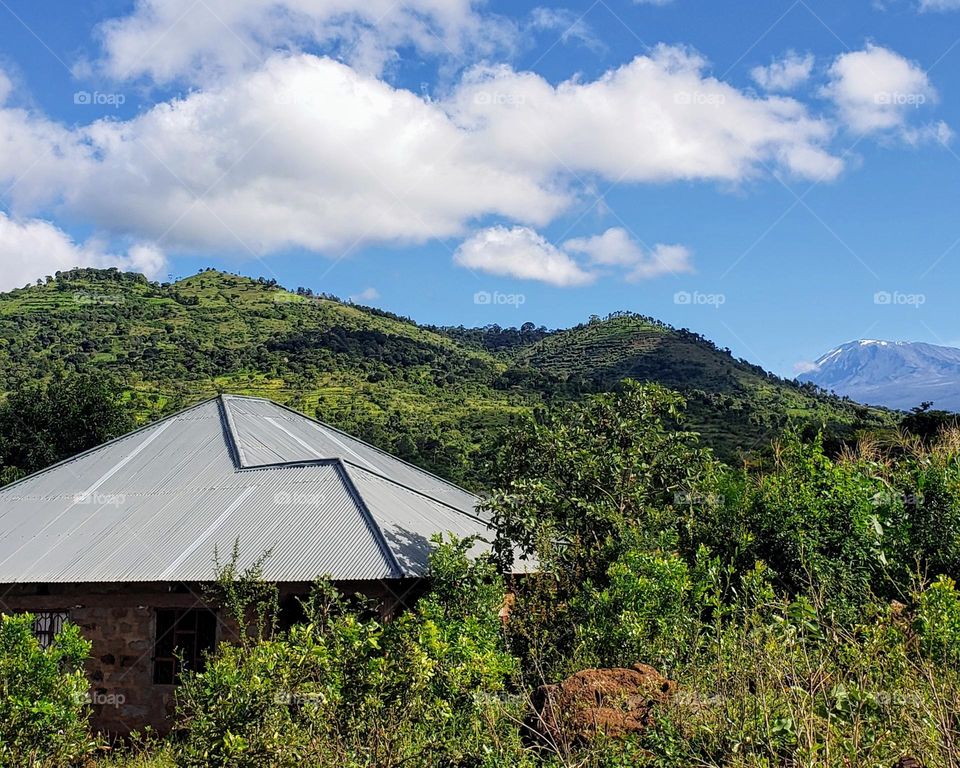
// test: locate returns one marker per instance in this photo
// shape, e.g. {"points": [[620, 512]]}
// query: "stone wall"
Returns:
{"points": [[120, 622]]}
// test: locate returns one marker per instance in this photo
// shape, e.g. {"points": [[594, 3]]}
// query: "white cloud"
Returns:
{"points": [[939, 5], [615, 248], [303, 153], [522, 253], [37, 156], [366, 295], [571, 26], [307, 152], [612, 248], [167, 40], [805, 366], [658, 118], [6, 86], [784, 74], [877, 90], [34, 248]]}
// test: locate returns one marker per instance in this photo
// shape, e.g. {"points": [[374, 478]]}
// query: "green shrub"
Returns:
{"points": [[345, 689], [43, 696], [937, 621]]}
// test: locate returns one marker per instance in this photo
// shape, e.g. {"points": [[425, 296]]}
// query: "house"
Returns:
{"points": [[120, 539]]}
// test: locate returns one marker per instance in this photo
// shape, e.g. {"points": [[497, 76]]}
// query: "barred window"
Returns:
{"points": [[46, 625]]}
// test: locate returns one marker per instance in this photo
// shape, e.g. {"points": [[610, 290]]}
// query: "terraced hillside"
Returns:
{"points": [[437, 397]]}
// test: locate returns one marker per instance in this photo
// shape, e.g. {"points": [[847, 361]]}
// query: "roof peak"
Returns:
{"points": [[230, 467], [225, 398]]}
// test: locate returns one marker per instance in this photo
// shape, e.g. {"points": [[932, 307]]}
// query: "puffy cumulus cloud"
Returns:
{"points": [[658, 118], [33, 248], [168, 40], [308, 152], [876, 90], [519, 252], [784, 74], [305, 153], [615, 248], [36, 155], [523, 253]]}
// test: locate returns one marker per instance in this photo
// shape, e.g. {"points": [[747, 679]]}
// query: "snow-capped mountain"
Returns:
{"points": [[897, 374]]}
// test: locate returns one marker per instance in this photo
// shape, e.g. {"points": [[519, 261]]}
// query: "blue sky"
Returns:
{"points": [[778, 176]]}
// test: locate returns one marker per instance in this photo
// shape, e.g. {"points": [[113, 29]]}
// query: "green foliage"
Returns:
{"points": [[765, 595], [44, 422], [346, 688], [437, 397], [818, 523], [43, 696], [646, 609], [599, 495], [247, 600], [937, 622]]}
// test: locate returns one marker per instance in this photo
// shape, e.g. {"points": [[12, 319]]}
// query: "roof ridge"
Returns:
{"points": [[230, 428], [370, 520], [325, 425], [418, 492]]}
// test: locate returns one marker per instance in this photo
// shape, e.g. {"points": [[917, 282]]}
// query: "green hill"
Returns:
{"points": [[435, 396]]}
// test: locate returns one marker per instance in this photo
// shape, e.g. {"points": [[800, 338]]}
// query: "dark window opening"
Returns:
{"points": [[47, 624], [291, 612], [184, 636]]}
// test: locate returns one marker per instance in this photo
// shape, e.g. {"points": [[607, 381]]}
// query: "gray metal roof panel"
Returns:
{"points": [[269, 433], [154, 504], [409, 520]]}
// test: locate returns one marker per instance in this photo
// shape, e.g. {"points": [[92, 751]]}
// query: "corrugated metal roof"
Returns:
{"points": [[269, 433], [154, 505]]}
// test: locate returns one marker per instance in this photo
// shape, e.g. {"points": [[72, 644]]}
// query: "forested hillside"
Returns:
{"points": [[435, 396]]}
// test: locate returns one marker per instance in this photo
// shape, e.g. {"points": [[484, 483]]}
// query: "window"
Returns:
{"points": [[183, 636], [46, 625]]}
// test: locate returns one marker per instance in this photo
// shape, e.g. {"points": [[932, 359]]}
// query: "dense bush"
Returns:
{"points": [[43, 696], [347, 689]]}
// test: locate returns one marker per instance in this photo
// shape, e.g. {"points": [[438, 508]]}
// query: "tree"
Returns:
{"points": [[600, 495], [43, 423]]}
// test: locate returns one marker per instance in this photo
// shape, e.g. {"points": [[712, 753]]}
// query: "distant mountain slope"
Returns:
{"points": [[895, 374], [433, 396]]}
